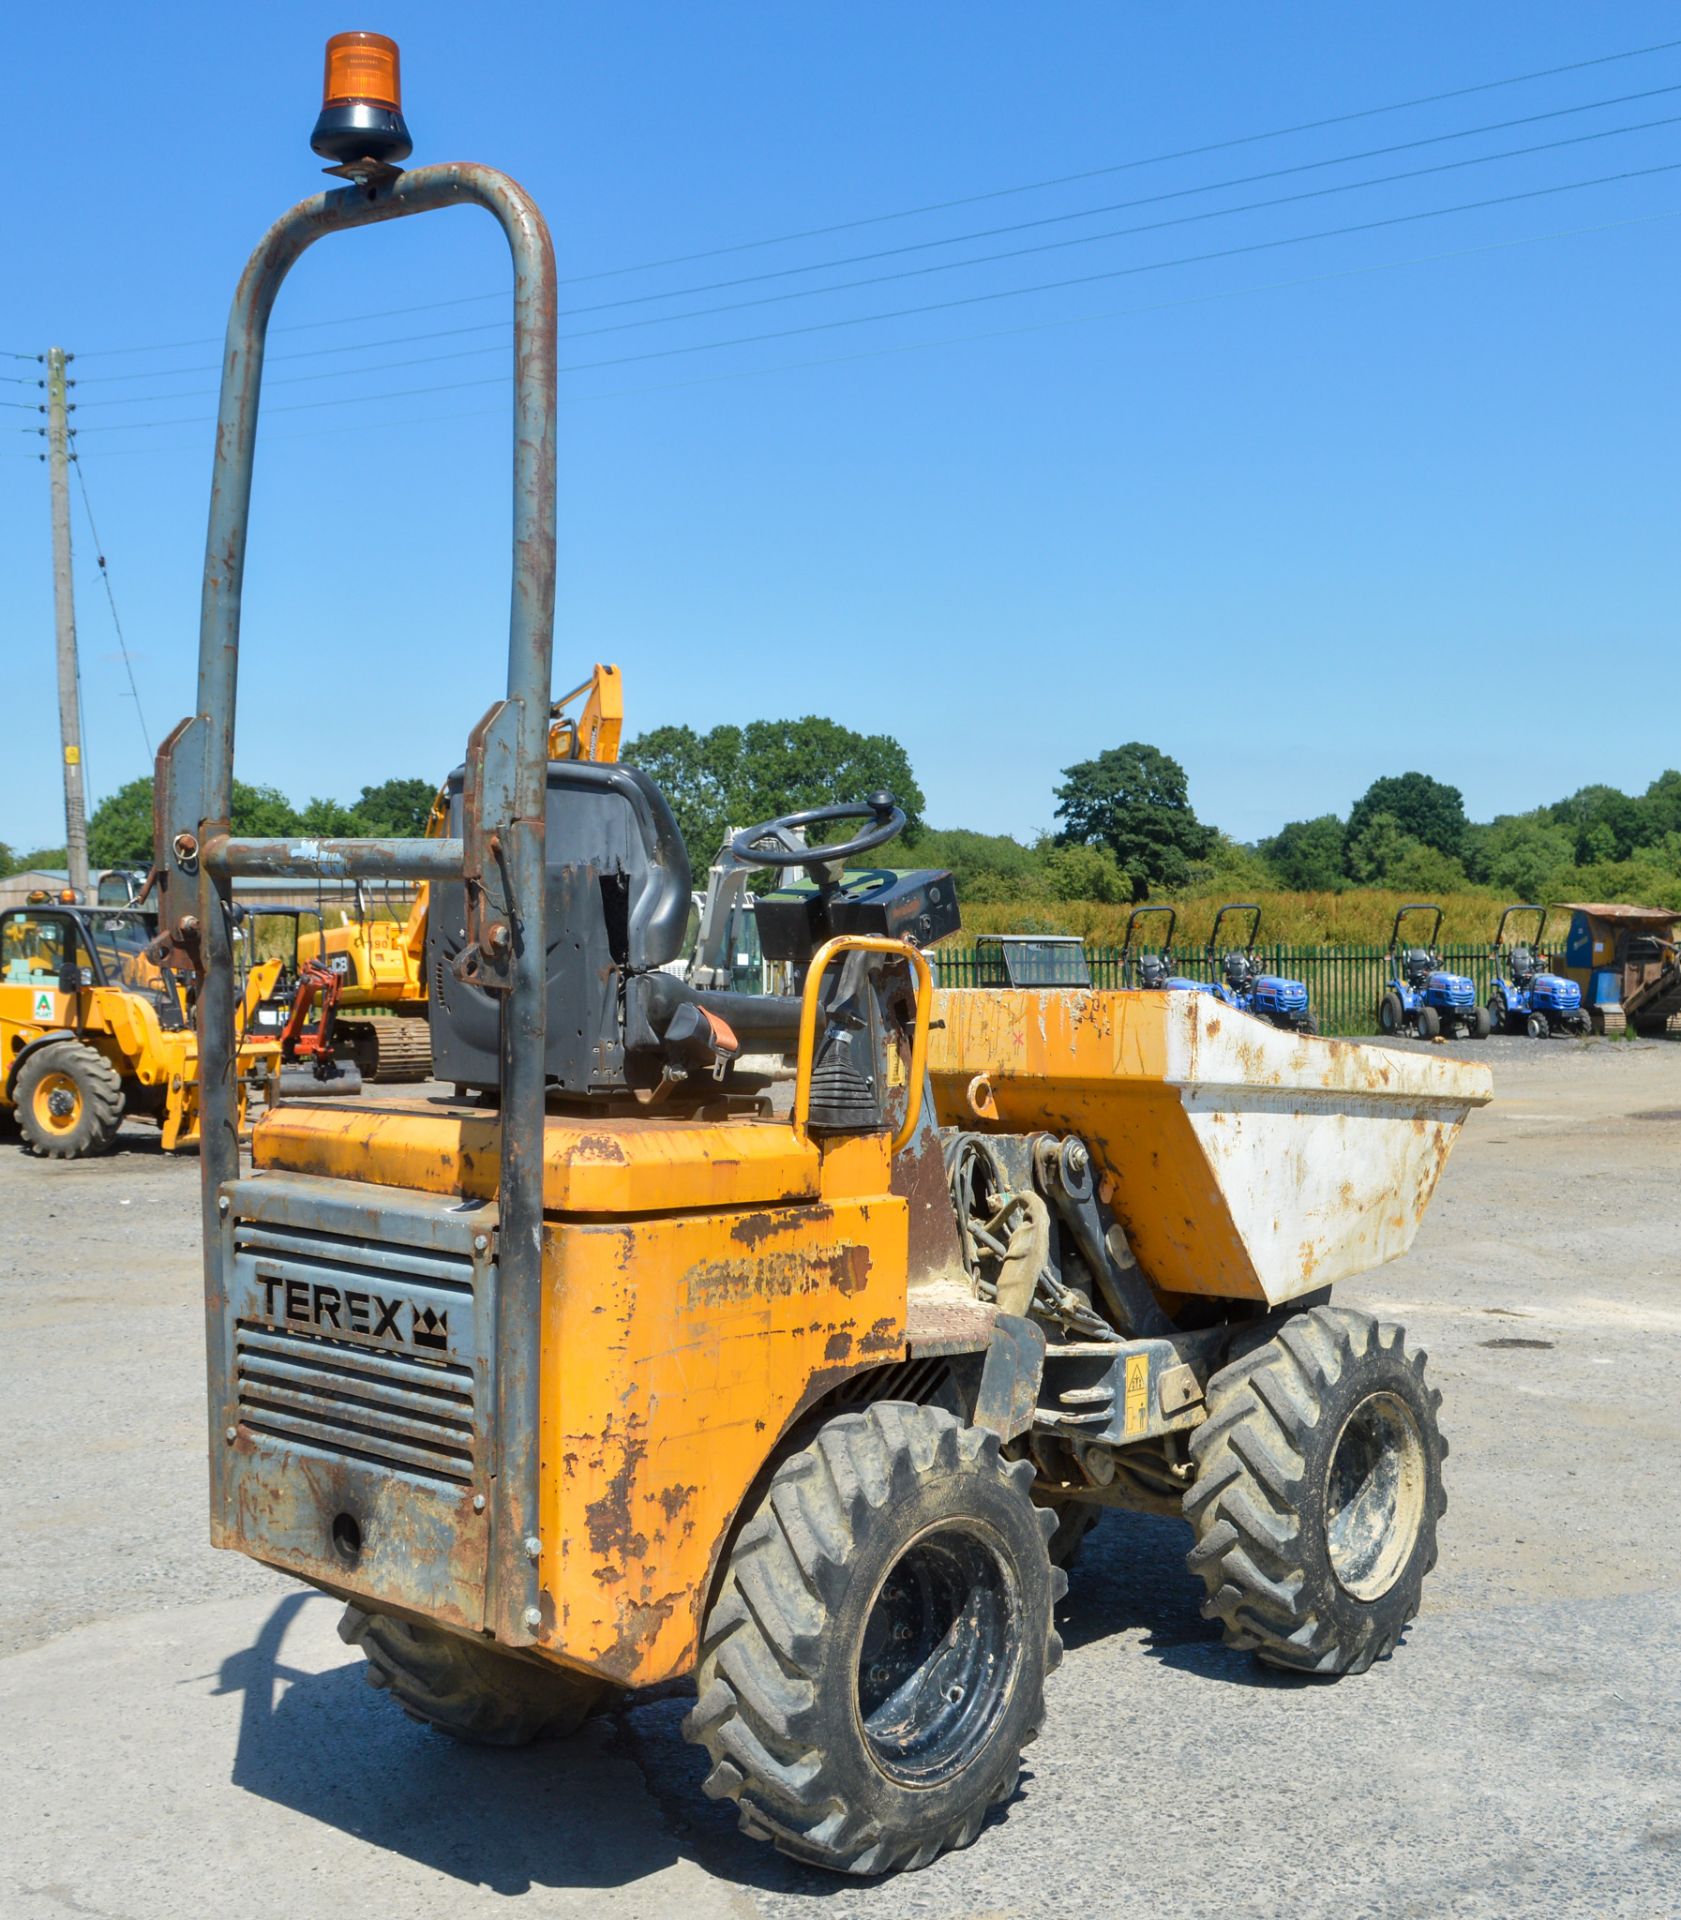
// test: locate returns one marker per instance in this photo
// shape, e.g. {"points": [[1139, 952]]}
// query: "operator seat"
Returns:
{"points": [[618, 900], [1523, 962], [1419, 963]]}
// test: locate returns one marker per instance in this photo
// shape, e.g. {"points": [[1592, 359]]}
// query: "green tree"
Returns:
{"points": [[1607, 824], [1307, 855], [1423, 809], [1661, 805], [120, 827], [1231, 868], [331, 820], [120, 831], [738, 776], [989, 869], [1133, 799], [53, 859], [1384, 854], [1085, 873], [262, 813], [396, 809], [1522, 852]]}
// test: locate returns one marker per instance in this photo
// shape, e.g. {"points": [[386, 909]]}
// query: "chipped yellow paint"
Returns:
{"points": [[1244, 1162], [674, 1354], [619, 1166]]}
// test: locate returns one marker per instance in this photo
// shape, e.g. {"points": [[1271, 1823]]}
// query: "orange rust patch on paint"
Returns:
{"points": [[674, 1499], [778, 1275], [598, 1146], [666, 1381]]}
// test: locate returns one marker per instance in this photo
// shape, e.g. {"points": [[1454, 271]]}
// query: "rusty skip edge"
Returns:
{"points": [[196, 771]]}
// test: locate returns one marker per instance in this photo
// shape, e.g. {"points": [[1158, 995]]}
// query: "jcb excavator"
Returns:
{"points": [[382, 959], [614, 1372]]}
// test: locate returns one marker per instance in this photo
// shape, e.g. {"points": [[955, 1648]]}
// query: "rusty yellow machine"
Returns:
{"points": [[612, 1372]]}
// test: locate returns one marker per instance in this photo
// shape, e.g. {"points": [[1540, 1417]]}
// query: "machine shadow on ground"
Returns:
{"points": [[565, 1814], [1130, 1578], [561, 1814]]}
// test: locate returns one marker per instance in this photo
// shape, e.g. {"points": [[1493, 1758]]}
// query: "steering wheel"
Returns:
{"points": [[881, 809]]}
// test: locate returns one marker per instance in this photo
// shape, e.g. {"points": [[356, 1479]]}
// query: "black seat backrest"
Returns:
{"points": [[1419, 962], [618, 903], [1523, 961]]}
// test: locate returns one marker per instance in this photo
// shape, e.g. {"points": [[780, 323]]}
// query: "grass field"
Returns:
{"points": [[1358, 916]]}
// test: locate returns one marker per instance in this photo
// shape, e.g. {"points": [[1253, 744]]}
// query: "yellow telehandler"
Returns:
{"points": [[93, 1030], [618, 1371]]}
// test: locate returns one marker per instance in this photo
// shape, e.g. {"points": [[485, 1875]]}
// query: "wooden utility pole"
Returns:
{"points": [[64, 603]]}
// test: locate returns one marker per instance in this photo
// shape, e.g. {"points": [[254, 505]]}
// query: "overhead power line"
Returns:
{"points": [[962, 339], [962, 300], [965, 200], [116, 621], [982, 233], [907, 273]]}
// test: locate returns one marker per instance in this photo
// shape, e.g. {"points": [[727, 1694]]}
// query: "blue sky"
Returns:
{"points": [[1301, 515]]}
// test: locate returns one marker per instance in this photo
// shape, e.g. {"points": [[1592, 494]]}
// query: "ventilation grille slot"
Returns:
{"points": [[365, 1399]]}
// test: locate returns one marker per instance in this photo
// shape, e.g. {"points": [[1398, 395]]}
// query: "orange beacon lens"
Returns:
{"points": [[362, 103]]}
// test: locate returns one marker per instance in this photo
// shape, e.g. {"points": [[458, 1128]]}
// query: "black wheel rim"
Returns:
{"points": [[939, 1656], [1374, 1496]]}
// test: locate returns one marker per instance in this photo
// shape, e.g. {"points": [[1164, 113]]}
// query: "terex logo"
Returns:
{"points": [[311, 1303]]}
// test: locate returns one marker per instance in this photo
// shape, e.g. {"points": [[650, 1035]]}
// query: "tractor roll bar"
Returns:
{"points": [[501, 853]]}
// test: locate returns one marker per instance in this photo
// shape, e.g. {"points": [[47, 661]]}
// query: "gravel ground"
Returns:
{"points": [[185, 1731]]}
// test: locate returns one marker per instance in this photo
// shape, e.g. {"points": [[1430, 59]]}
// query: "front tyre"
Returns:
{"points": [[875, 1660], [1317, 1492], [69, 1101]]}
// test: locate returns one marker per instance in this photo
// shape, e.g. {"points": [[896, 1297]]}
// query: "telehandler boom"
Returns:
{"points": [[615, 1373]]}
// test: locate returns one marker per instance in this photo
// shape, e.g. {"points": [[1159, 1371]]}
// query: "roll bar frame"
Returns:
{"points": [[500, 855]]}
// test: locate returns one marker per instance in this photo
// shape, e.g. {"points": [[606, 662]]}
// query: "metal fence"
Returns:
{"points": [[1343, 983]]}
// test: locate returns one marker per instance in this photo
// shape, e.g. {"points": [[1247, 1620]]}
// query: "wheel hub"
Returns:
{"points": [[937, 1658], [1374, 1497], [59, 1102]]}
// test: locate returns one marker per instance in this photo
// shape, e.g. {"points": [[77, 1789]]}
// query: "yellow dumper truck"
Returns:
{"points": [[616, 1370]]}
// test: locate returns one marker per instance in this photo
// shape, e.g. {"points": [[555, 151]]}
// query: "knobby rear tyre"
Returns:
{"points": [[470, 1690], [875, 1660]]}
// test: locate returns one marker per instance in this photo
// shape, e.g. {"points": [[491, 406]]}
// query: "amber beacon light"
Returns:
{"points": [[362, 103]]}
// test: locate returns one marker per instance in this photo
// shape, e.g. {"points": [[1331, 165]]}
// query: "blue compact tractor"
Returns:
{"points": [[1153, 967], [1239, 981], [1525, 998], [1422, 998]]}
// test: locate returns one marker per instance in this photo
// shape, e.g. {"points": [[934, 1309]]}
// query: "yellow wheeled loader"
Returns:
{"points": [[93, 1030], [382, 958], [618, 1371]]}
